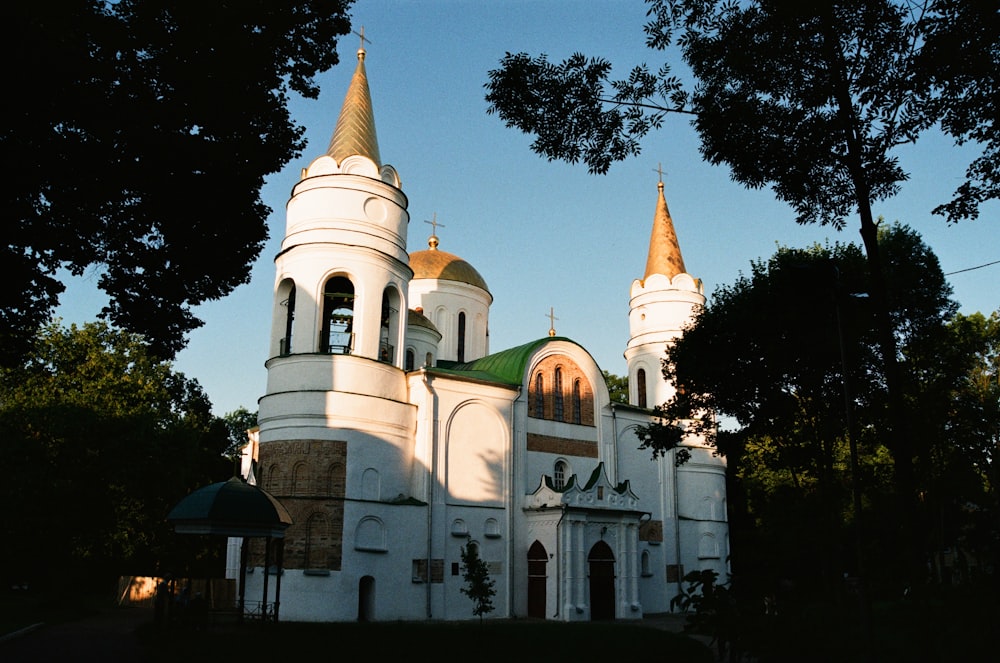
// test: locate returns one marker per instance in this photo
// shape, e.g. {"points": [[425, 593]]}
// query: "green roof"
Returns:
{"points": [[505, 367]]}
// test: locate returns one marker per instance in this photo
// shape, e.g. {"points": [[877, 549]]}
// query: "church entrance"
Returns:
{"points": [[601, 561], [366, 599], [537, 561]]}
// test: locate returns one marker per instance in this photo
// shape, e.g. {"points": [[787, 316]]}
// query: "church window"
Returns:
{"points": [[370, 481], [644, 564], [557, 403], [708, 548], [410, 359], [337, 333], [461, 338], [370, 535], [577, 403], [300, 479], [335, 480], [272, 479], [428, 359], [559, 474], [539, 396], [388, 325], [285, 345], [317, 541], [640, 383]]}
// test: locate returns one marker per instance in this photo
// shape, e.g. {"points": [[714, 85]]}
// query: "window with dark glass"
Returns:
{"points": [[640, 378], [539, 397], [557, 397], [577, 403], [461, 337]]}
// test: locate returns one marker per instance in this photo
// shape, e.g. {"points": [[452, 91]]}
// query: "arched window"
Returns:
{"points": [[388, 325], [428, 359], [577, 403], [640, 379], [461, 338], [300, 479], [539, 397], [317, 542], [286, 342], [337, 333], [559, 474], [410, 359], [557, 395]]}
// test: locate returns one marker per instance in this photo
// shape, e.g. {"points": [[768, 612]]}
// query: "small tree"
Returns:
{"points": [[478, 584]]}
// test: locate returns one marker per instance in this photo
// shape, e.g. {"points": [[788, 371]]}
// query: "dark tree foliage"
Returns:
{"points": [[238, 422], [135, 143], [809, 98], [786, 356], [617, 387], [101, 440]]}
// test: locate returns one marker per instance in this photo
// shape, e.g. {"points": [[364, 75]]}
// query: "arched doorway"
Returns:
{"points": [[366, 599], [537, 560], [602, 582]]}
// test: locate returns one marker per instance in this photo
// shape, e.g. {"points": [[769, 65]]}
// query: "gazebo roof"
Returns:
{"points": [[230, 508]]}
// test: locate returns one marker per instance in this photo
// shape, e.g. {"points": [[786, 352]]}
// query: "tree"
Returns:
{"points": [[617, 387], [809, 98], [479, 587], [787, 354], [140, 153], [101, 440], [238, 422]]}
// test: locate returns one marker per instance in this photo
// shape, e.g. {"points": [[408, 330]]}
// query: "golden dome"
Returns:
{"points": [[444, 266]]}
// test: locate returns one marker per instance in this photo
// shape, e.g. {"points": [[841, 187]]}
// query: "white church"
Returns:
{"points": [[394, 435]]}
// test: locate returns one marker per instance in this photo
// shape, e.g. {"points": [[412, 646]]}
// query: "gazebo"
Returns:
{"points": [[235, 508]]}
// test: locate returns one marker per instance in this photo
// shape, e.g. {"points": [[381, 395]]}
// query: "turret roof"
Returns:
{"points": [[664, 250], [355, 130]]}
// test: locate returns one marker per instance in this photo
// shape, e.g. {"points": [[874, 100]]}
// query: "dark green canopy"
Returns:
{"points": [[230, 508]]}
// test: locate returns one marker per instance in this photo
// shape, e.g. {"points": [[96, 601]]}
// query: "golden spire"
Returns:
{"points": [[664, 250], [355, 131]]}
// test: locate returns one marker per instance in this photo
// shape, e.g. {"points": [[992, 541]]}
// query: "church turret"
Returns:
{"points": [[661, 303], [342, 273]]}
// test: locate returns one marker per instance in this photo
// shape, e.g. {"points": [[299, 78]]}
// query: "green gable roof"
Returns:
{"points": [[505, 367]]}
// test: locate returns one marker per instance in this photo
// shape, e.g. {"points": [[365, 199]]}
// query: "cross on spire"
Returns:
{"points": [[659, 170], [363, 37], [434, 223], [552, 321]]}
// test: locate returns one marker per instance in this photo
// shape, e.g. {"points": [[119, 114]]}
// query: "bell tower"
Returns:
{"points": [[661, 303]]}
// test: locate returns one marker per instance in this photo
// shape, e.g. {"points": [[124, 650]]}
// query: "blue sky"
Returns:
{"points": [[543, 235]]}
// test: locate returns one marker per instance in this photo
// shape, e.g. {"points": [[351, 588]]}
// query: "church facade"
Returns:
{"points": [[395, 436]]}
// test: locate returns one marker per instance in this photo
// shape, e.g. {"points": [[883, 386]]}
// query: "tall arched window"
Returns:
{"points": [[557, 396], [410, 359], [337, 333], [577, 403], [539, 397], [461, 338], [388, 325], [286, 342], [640, 378]]}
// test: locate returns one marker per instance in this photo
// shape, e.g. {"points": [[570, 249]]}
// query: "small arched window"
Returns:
{"points": [[559, 474], [410, 359]]}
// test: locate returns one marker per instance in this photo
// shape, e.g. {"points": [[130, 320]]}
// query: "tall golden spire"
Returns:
{"points": [[355, 131], [664, 250]]}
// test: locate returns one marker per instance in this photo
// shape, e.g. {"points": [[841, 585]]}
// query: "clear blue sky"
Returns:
{"points": [[543, 234]]}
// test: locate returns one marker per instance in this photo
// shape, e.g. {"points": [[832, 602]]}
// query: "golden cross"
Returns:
{"points": [[552, 321], [434, 224], [363, 38], [659, 169]]}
